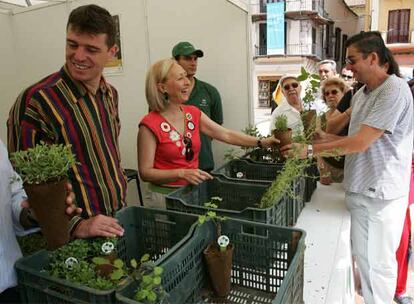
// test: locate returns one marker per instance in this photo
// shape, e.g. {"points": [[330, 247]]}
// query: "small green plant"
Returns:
{"points": [[311, 89], [43, 163], [212, 215], [281, 123], [31, 243], [76, 263], [150, 289]]}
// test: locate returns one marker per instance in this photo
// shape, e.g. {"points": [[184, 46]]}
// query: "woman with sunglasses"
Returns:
{"points": [[169, 136], [292, 105], [330, 168]]}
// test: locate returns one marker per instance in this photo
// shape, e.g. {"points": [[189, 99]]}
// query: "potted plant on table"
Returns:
{"points": [[44, 171], [219, 253], [281, 130]]}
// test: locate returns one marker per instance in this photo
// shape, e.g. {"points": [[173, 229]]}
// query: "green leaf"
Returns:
{"points": [[100, 261], [141, 294], [158, 270], [118, 263], [201, 219], [134, 264], [146, 279], [145, 258], [117, 274], [211, 214], [152, 296], [157, 280]]}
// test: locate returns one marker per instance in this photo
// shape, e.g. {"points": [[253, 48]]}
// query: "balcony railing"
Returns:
{"points": [[300, 49], [293, 6]]}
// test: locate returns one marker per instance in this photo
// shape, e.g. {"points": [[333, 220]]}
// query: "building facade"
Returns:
{"points": [[313, 30]]}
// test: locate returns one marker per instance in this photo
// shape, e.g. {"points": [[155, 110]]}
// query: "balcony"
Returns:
{"points": [[295, 9], [300, 49], [300, 9]]}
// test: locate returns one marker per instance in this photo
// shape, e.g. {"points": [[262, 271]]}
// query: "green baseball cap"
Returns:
{"points": [[185, 49]]}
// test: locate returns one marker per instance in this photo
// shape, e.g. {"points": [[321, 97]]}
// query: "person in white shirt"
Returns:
{"points": [[13, 201], [291, 106]]}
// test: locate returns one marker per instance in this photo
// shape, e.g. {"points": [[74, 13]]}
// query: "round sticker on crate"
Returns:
{"points": [[239, 174], [70, 262], [223, 241], [107, 247]]}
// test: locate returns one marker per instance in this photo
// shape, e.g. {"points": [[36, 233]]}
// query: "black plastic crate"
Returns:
{"points": [[239, 200], [267, 265], [242, 170], [156, 232]]}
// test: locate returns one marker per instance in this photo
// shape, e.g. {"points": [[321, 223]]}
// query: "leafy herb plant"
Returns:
{"points": [[281, 123], [43, 163], [311, 89], [150, 289], [212, 215]]}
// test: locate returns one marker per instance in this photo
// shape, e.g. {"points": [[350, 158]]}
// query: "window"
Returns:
{"points": [[262, 39], [337, 44], [344, 39], [398, 26], [329, 41]]}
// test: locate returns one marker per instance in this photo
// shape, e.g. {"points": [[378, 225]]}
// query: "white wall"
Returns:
{"points": [[8, 72], [149, 30]]}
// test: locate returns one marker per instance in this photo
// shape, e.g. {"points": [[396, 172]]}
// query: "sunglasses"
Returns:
{"points": [[294, 85], [333, 92], [189, 153], [347, 76], [350, 61]]}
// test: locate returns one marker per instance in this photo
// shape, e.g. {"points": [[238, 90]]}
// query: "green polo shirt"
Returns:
{"points": [[206, 97]]}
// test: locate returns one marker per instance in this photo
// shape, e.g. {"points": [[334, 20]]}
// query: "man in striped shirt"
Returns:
{"points": [[377, 163], [77, 106]]}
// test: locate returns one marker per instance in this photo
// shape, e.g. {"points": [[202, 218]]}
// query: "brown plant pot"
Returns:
{"points": [[105, 270], [48, 203], [309, 121], [285, 137], [219, 268]]}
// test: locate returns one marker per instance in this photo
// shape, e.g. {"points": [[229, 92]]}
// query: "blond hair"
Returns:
{"points": [[157, 74]]}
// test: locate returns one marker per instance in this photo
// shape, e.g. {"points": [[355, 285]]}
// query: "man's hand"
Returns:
{"points": [[295, 150], [100, 225], [269, 142], [70, 197]]}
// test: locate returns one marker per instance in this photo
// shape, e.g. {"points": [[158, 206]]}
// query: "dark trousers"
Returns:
{"points": [[10, 295]]}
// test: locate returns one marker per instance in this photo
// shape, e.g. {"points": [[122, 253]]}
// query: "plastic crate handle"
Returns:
{"points": [[250, 227], [58, 295]]}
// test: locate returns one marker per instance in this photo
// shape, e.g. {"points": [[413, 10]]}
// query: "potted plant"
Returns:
{"points": [[308, 115], [219, 253], [44, 170], [281, 130]]}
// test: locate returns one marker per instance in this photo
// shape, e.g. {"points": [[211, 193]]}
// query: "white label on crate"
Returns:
{"points": [[70, 262], [107, 247], [239, 174]]}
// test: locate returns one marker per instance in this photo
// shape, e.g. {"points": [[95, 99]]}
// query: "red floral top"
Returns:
{"points": [[171, 146]]}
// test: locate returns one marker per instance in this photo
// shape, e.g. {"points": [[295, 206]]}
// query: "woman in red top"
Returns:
{"points": [[169, 136]]}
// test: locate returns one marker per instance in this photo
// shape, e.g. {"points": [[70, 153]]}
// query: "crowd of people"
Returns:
{"points": [[368, 114]]}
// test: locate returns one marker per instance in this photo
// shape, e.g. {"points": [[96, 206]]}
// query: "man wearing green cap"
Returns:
{"points": [[203, 95]]}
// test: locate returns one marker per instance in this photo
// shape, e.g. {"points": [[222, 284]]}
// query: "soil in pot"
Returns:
{"points": [[105, 270], [285, 137], [219, 268], [48, 203], [309, 122]]}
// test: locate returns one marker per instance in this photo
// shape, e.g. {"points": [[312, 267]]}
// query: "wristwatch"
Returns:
{"points": [[310, 151]]}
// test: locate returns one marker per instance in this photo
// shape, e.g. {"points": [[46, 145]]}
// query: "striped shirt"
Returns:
{"points": [[383, 170], [61, 110]]}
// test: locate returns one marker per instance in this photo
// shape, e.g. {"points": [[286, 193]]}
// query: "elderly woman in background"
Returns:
{"points": [[169, 136], [331, 169]]}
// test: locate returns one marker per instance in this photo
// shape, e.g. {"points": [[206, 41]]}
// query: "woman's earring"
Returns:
{"points": [[165, 94]]}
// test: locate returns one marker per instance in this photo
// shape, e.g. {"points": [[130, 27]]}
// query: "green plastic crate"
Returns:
{"points": [[240, 200], [156, 232], [267, 265]]}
